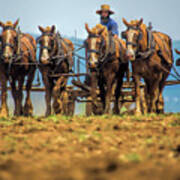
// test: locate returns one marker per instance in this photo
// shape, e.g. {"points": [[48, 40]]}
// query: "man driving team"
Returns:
{"points": [[111, 25]]}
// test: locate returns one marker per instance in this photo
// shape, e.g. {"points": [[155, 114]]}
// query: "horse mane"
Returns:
{"points": [[99, 27]]}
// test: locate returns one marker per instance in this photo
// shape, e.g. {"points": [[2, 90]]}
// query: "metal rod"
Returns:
{"points": [[78, 68], [68, 75]]}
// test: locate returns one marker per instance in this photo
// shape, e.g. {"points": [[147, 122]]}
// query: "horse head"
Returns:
{"points": [[134, 36], [9, 41], [47, 43], [95, 44]]}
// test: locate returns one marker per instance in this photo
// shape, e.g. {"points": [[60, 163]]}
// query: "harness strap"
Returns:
{"points": [[163, 46], [112, 46], [150, 45], [120, 51], [8, 44]]}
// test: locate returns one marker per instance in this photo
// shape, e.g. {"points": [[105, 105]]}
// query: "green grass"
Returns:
{"points": [[133, 157]]}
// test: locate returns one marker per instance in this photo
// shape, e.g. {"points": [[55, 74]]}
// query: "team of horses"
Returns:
{"points": [[149, 53]]}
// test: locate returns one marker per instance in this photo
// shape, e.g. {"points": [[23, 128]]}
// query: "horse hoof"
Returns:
{"points": [[3, 114], [137, 113], [47, 114], [160, 111], [28, 110]]}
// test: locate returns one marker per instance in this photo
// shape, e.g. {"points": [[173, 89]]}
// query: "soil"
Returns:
{"points": [[90, 148]]}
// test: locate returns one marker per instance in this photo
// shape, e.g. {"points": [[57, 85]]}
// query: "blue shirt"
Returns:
{"points": [[112, 26]]}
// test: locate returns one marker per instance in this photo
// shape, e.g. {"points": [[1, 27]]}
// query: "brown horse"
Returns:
{"points": [[150, 53], [18, 58], [105, 55], [55, 54]]}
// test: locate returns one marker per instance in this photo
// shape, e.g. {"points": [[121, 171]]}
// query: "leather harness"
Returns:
{"points": [[110, 50]]}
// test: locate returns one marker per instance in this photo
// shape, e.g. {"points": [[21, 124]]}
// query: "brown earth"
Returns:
{"points": [[95, 148]]}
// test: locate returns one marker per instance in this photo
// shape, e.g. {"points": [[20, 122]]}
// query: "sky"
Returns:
{"points": [[71, 15]]}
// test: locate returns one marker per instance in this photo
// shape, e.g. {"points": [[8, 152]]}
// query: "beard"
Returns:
{"points": [[105, 19]]}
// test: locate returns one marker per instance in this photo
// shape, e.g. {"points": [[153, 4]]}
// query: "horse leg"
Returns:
{"points": [[28, 107], [14, 95], [19, 108], [137, 95], [117, 94], [57, 91], [154, 95], [144, 99], [4, 108], [102, 92], [94, 84], [160, 102], [48, 91], [108, 96]]}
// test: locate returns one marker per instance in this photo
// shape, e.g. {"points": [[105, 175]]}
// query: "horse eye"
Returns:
{"points": [[135, 36], [52, 42], [123, 35]]}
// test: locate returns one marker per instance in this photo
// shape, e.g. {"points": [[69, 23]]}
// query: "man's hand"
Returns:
{"points": [[115, 36]]}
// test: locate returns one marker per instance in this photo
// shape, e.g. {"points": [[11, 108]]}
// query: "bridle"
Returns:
{"points": [[9, 44], [138, 39], [99, 52], [49, 48], [51, 35]]}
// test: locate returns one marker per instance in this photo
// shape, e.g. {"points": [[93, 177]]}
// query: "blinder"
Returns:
{"points": [[46, 47], [140, 35], [93, 36], [85, 44], [8, 44], [123, 35], [8, 28], [38, 40], [93, 51]]}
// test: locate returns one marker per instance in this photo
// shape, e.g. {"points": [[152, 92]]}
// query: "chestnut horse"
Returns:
{"points": [[18, 60], [106, 57], [150, 53], [54, 57]]}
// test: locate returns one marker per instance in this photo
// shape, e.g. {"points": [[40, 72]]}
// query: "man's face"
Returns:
{"points": [[104, 14]]}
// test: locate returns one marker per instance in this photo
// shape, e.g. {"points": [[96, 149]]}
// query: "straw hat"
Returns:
{"points": [[8, 23], [104, 7]]}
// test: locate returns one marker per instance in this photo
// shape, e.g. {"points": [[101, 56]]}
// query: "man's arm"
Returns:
{"points": [[114, 28]]}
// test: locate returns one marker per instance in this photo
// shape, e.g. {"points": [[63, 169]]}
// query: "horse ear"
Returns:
{"points": [[53, 29], [101, 31], [2, 24], [87, 28], [16, 23], [125, 22], [140, 22], [41, 29]]}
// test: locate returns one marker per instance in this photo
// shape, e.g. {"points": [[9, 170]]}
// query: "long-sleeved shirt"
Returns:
{"points": [[112, 26]]}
